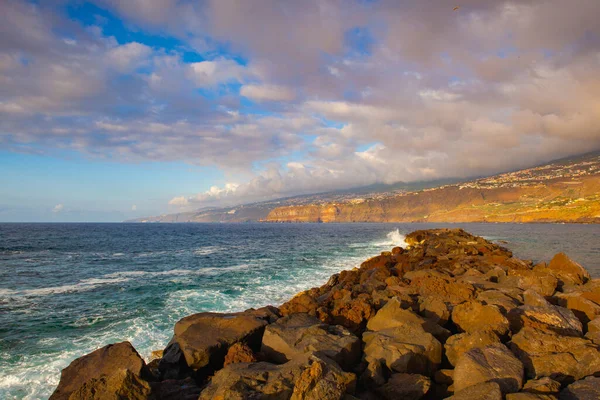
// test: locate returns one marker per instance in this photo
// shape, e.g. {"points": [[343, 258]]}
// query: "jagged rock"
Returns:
{"points": [[172, 389], [172, 364], [542, 386], [393, 315], [567, 271], [301, 303], [473, 316], [482, 391], [238, 353], [99, 365], [542, 282], [405, 387], [562, 358], [546, 317], [352, 312], [584, 309], [405, 349], [306, 377], [204, 338], [444, 376], [301, 333], [493, 363], [500, 299], [530, 396], [120, 384], [534, 299], [457, 345], [594, 325], [585, 389], [268, 313], [445, 288], [434, 309]]}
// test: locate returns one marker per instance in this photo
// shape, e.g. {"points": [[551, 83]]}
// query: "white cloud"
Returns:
{"points": [[210, 73], [129, 56], [267, 92], [58, 208], [133, 207]]}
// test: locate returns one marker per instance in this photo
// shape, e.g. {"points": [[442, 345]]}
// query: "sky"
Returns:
{"points": [[111, 110]]}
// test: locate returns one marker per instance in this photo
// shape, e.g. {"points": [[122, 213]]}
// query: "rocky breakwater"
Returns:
{"points": [[450, 316]]}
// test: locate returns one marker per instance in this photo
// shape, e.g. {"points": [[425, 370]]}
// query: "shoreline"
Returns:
{"points": [[357, 314]]}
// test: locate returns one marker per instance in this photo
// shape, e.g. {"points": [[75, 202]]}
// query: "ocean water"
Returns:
{"points": [[67, 289]]}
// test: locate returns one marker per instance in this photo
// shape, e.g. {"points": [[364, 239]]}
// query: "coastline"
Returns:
{"points": [[421, 288]]}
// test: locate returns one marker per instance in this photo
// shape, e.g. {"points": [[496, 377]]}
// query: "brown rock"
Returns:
{"points": [[352, 313], [493, 363], [306, 377], [482, 391], [204, 338], [568, 271], [457, 345], [434, 309], [530, 396], [301, 303], [300, 333], [393, 315], [120, 384], [584, 309], [542, 282], [172, 389], [239, 353], [405, 349], [447, 289], [546, 317], [542, 386], [562, 358], [500, 299], [444, 376], [586, 389], [473, 316], [99, 364], [405, 387]]}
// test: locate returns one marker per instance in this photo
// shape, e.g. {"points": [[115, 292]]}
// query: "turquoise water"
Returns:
{"points": [[67, 289]]}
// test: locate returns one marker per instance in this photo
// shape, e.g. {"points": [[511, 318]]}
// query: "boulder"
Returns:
{"points": [[585, 389], [493, 363], [542, 282], [594, 325], [301, 333], [175, 389], [562, 358], [393, 315], [404, 349], [434, 309], [500, 299], [457, 345], [100, 365], [239, 353], [301, 303], [120, 384], [205, 338], [542, 386], [530, 396], [545, 317], [472, 316], [567, 271], [405, 387], [446, 289], [306, 377], [444, 376], [352, 312], [481, 391], [584, 309]]}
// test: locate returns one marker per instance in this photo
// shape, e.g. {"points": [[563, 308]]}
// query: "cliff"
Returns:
{"points": [[449, 316]]}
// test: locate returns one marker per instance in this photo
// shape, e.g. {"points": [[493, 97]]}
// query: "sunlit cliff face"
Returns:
{"points": [[298, 97]]}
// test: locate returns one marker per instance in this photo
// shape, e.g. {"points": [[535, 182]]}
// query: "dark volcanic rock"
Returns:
{"points": [[97, 369], [586, 389], [405, 387]]}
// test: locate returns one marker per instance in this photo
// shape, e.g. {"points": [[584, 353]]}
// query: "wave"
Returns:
{"points": [[394, 238], [81, 286], [204, 251]]}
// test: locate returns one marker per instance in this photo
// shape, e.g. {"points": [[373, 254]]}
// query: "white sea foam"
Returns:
{"points": [[394, 238], [204, 251]]}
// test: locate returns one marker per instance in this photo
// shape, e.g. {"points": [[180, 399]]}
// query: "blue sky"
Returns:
{"points": [[112, 110]]}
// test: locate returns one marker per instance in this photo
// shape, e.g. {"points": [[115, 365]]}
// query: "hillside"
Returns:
{"points": [[563, 191], [566, 190]]}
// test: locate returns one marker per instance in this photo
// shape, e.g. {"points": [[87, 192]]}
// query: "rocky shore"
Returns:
{"points": [[449, 316]]}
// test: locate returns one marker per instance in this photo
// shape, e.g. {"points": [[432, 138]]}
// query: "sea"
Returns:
{"points": [[68, 289]]}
